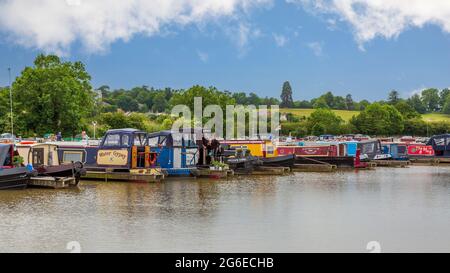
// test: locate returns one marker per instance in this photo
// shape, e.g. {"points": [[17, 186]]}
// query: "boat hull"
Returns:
{"points": [[280, 161], [340, 161], [16, 178], [66, 170]]}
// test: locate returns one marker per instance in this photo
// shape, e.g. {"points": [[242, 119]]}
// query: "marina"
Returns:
{"points": [[131, 155]]}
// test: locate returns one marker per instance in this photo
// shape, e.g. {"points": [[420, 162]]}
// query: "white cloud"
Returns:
{"points": [[280, 40], [203, 56], [54, 25], [317, 48], [241, 34], [383, 18]]}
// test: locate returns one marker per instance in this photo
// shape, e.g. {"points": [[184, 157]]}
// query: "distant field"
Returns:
{"points": [[436, 117], [347, 115], [344, 114]]}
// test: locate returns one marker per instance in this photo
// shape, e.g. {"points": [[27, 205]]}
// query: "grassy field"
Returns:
{"points": [[347, 115], [436, 117]]}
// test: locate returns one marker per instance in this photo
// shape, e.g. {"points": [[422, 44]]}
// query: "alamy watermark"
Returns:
{"points": [[236, 122]]}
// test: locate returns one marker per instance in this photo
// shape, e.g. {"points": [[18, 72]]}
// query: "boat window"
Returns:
{"points": [[72, 156], [177, 139], [112, 140], [163, 140], [368, 148], [125, 140], [440, 141], [153, 141], [139, 140], [402, 149]]}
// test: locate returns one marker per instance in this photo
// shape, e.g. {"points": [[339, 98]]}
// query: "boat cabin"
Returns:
{"points": [[371, 149], [441, 145], [39, 154], [258, 148], [181, 152], [121, 149], [398, 151]]}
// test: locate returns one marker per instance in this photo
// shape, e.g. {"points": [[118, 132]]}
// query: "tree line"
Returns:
{"points": [[57, 96]]}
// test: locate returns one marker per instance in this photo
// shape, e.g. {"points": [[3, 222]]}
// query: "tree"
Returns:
{"points": [[127, 103], [320, 103], [430, 98], [445, 93], [159, 103], [324, 121], [379, 119], [53, 96], [416, 102], [210, 96], [286, 96], [446, 108], [394, 97], [349, 102], [407, 111], [104, 89], [363, 105], [340, 103]]}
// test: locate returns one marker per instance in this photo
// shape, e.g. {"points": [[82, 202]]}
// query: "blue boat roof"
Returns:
{"points": [[126, 130], [161, 133]]}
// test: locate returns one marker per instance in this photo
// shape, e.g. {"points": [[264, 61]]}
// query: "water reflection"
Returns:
{"points": [[405, 209]]}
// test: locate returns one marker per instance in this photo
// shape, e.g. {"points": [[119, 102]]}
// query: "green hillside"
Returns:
{"points": [[347, 115]]}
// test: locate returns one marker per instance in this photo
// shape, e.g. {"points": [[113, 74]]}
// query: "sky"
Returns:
{"points": [[363, 47]]}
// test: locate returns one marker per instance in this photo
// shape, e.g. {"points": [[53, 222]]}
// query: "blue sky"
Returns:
{"points": [[255, 49]]}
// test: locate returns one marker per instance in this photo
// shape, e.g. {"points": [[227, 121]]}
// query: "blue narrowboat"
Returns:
{"points": [[178, 153], [122, 154], [397, 151]]}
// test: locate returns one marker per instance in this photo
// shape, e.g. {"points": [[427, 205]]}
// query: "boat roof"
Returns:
{"points": [[126, 130], [441, 136], [160, 133], [182, 131], [369, 141]]}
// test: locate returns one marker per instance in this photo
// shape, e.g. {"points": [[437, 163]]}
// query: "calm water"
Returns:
{"points": [[403, 209]]}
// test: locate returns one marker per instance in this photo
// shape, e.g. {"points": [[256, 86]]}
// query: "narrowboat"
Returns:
{"points": [[11, 177], [440, 145], [319, 153], [241, 161], [419, 150], [371, 150], [179, 154], [45, 160], [121, 155], [397, 151], [264, 150]]}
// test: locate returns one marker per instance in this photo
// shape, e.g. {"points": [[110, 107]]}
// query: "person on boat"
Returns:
{"points": [[59, 136]]}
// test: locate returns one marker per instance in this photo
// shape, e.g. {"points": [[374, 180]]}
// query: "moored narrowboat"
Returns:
{"points": [[397, 151], [440, 145], [122, 155], [372, 150], [11, 176], [264, 150], [44, 158], [178, 154]]}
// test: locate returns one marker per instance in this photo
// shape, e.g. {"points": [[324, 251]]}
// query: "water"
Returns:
{"points": [[403, 209]]}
